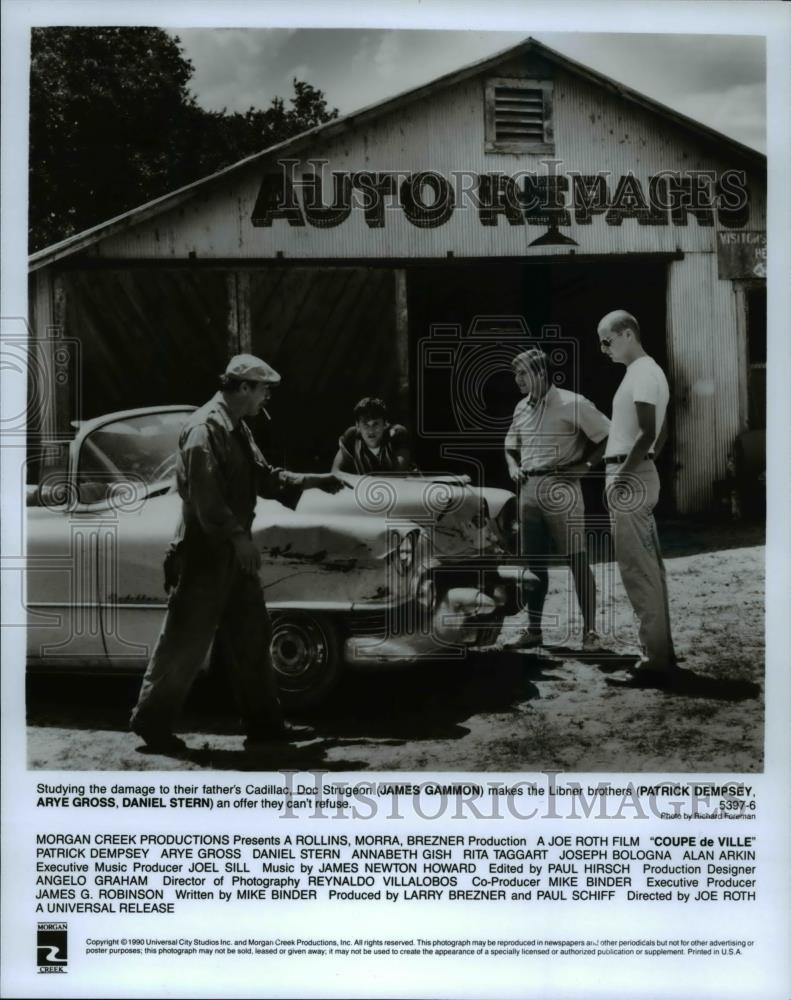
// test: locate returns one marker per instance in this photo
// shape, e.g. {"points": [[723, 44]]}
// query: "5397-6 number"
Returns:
{"points": [[734, 805]]}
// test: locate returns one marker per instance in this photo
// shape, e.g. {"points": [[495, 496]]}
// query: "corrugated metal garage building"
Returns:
{"points": [[410, 249]]}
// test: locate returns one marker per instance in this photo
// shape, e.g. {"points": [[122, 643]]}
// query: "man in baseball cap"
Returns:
{"points": [[217, 594]]}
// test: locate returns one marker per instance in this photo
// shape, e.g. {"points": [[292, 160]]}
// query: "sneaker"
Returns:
{"points": [[161, 742], [526, 640], [592, 642], [286, 733], [644, 664], [645, 678]]}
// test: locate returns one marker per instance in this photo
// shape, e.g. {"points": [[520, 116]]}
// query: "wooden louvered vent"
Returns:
{"points": [[518, 114]]}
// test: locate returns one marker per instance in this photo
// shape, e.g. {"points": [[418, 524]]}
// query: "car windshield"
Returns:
{"points": [[140, 450]]}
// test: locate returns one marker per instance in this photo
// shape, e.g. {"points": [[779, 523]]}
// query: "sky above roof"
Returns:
{"points": [[719, 80]]}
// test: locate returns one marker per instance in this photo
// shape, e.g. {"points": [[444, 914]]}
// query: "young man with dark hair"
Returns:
{"points": [[220, 473], [373, 444]]}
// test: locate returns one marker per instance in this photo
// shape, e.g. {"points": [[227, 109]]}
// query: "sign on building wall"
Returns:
{"points": [[741, 254], [428, 198]]}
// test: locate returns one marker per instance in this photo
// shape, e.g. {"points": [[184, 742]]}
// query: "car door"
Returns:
{"points": [[62, 585], [96, 540]]}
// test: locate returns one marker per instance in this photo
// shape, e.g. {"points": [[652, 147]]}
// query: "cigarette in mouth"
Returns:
{"points": [[265, 413]]}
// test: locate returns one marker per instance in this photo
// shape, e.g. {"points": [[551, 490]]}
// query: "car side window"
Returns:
{"points": [[138, 452]]}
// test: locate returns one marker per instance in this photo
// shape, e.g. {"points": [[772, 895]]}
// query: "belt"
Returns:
{"points": [[615, 459], [541, 472]]}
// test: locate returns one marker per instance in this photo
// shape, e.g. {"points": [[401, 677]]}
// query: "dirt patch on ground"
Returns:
{"points": [[558, 710]]}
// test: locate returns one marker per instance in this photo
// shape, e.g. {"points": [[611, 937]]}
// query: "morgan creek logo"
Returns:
{"points": [[52, 946]]}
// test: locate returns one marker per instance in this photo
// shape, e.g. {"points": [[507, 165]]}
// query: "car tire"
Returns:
{"points": [[489, 633], [306, 657]]}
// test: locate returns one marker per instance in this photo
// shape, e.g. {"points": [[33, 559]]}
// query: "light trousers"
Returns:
{"points": [[640, 559]]}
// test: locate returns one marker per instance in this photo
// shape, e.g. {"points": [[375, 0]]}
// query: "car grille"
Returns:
{"points": [[370, 624]]}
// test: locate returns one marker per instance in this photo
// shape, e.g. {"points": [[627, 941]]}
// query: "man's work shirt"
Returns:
{"points": [[220, 472], [357, 457], [554, 431], [644, 382]]}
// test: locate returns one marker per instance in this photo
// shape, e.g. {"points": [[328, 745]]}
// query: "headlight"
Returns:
{"points": [[406, 552], [403, 552], [426, 594]]}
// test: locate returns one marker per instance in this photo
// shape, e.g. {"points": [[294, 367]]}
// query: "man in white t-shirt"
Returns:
{"points": [[637, 433]]}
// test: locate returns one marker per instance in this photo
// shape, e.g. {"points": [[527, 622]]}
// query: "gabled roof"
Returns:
{"points": [[73, 244]]}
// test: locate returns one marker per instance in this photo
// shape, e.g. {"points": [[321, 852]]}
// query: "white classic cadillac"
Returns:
{"points": [[392, 570]]}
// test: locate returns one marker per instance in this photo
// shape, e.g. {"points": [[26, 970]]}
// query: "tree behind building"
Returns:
{"points": [[113, 125]]}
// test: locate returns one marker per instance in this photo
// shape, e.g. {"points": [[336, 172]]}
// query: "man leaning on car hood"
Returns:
{"points": [[220, 473]]}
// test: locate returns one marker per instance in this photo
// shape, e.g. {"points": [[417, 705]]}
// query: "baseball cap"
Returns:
{"points": [[251, 368]]}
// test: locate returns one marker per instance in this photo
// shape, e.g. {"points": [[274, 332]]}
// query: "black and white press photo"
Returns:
{"points": [[394, 483], [397, 400]]}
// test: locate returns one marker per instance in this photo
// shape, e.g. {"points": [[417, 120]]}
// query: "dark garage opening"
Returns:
{"points": [[154, 336], [158, 336]]}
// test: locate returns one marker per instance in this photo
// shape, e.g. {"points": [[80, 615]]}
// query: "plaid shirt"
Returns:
{"points": [[357, 457]]}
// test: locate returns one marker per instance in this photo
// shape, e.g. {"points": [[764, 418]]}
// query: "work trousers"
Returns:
{"points": [[640, 559], [552, 517], [213, 600]]}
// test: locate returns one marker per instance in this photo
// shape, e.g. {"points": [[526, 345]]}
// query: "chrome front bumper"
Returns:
{"points": [[460, 620]]}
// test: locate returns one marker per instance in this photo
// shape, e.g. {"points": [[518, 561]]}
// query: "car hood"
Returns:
{"points": [[344, 545], [333, 550], [455, 514]]}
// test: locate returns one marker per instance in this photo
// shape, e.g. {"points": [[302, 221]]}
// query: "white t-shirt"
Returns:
{"points": [[644, 382]]}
